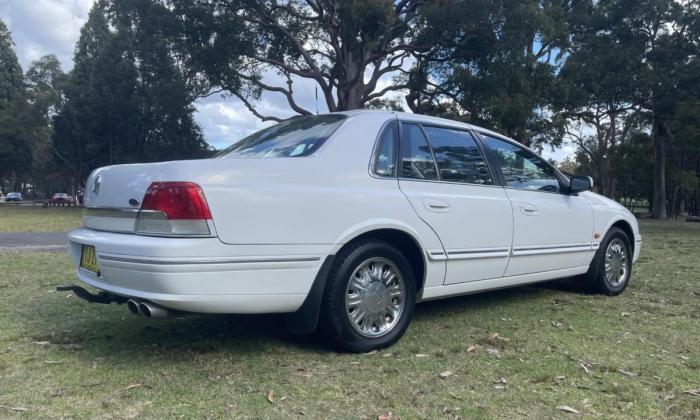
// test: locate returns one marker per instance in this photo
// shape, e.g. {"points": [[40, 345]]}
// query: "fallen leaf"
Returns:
{"points": [[693, 392], [270, 397], [72, 346], [585, 367], [559, 378], [421, 355], [387, 354], [42, 343], [626, 314], [14, 408], [471, 349], [627, 373], [446, 374], [568, 409], [53, 362], [493, 339]]}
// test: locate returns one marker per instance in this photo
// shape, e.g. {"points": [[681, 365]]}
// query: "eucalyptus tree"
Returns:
{"points": [[632, 58], [494, 64], [125, 101], [15, 120], [348, 49]]}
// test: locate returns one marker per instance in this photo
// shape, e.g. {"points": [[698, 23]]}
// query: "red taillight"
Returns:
{"points": [[178, 200], [174, 209]]}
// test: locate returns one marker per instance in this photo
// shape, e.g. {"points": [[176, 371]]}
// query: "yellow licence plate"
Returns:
{"points": [[88, 259]]}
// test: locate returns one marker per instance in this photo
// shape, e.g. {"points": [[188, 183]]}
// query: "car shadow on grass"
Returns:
{"points": [[110, 331]]}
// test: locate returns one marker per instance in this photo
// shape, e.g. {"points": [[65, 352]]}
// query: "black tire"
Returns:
{"points": [[335, 323], [595, 279]]}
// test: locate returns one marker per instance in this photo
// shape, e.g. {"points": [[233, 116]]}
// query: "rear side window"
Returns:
{"points": [[416, 157], [296, 137], [385, 155], [458, 156]]}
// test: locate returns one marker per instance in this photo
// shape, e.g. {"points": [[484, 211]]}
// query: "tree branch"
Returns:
{"points": [[252, 109]]}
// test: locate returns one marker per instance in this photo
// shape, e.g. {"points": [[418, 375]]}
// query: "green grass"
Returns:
{"points": [[61, 357], [38, 219]]}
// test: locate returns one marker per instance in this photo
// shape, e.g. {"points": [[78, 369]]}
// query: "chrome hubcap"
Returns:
{"points": [[616, 262], [375, 297]]}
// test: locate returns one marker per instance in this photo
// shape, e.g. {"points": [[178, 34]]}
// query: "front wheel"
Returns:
{"points": [[611, 268], [369, 298]]}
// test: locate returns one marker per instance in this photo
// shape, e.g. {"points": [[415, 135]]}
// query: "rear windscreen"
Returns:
{"points": [[300, 136]]}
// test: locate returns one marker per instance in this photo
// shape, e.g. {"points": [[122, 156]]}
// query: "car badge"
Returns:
{"points": [[96, 185]]}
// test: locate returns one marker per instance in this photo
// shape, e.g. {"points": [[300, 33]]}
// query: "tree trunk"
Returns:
{"points": [[659, 135]]}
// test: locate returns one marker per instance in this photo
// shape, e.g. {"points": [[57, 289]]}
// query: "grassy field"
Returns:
{"points": [[542, 351], [38, 219]]}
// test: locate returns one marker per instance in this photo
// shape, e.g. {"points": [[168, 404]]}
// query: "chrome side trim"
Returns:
{"points": [[551, 249], [465, 254], [245, 260], [436, 255], [111, 212], [533, 248]]}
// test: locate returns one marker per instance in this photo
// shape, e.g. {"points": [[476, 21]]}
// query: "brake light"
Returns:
{"points": [[174, 208]]}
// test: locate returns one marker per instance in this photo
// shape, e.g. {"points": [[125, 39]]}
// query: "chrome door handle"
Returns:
{"points": [[528, 209], [433, 204]]}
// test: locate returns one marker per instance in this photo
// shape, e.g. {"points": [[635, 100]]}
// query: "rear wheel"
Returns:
{"points": [[369, 298], [611, 268]]}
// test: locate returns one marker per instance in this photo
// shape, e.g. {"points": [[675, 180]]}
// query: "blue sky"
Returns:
{"points": [[41, 27]]}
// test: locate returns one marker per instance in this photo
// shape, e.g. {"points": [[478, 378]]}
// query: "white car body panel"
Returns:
{"points": [[473, 222], [552, 231], [276, 220]]}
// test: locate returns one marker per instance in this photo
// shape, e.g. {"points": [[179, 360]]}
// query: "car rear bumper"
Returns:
{"points": [[199, 274]]}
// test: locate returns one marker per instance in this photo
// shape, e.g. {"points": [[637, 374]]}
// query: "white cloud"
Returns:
{"points": [[41, 27], [560, 153]]}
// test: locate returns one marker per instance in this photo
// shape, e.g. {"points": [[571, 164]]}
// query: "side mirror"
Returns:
{"points": [[580, 183]]}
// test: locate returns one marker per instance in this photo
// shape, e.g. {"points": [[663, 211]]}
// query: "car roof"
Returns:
{"points": [[426, 119]]}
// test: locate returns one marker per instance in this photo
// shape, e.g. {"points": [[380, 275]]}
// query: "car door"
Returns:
{"points": [[552, 230], [445, 176]]}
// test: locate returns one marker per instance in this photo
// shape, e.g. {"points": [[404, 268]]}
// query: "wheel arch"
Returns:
{"points": [[404, 242], [305, 319], [626, 227]]}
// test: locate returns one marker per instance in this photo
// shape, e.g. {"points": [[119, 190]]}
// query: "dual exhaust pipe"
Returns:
{"points": [[147, 309]]}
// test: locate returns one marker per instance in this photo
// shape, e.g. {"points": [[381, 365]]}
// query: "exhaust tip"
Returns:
{"points": [[145, 310], [133, 306]]}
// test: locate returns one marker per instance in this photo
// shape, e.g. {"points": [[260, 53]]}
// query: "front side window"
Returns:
{"points": [[458, 157], [296, 137], [385, 155], [521, 168], [416, 157]]}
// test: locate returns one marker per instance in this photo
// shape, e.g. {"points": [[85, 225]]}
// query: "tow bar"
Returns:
{"points": [[100, 297]]}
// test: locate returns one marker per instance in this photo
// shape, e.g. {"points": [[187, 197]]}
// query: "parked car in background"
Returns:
{"points": [[346, 220], [61, 199], [13, 196]]}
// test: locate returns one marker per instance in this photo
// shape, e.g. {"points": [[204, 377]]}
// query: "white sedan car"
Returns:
{"points": [[345, 220]]}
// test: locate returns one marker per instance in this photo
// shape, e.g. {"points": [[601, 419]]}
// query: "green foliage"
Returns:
{"points": [[126, 101], [344, 47], [497, 61], [11, 79], [20, 126]]}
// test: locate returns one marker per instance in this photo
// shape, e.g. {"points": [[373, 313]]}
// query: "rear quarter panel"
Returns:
{"points": [[327, 198]]}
